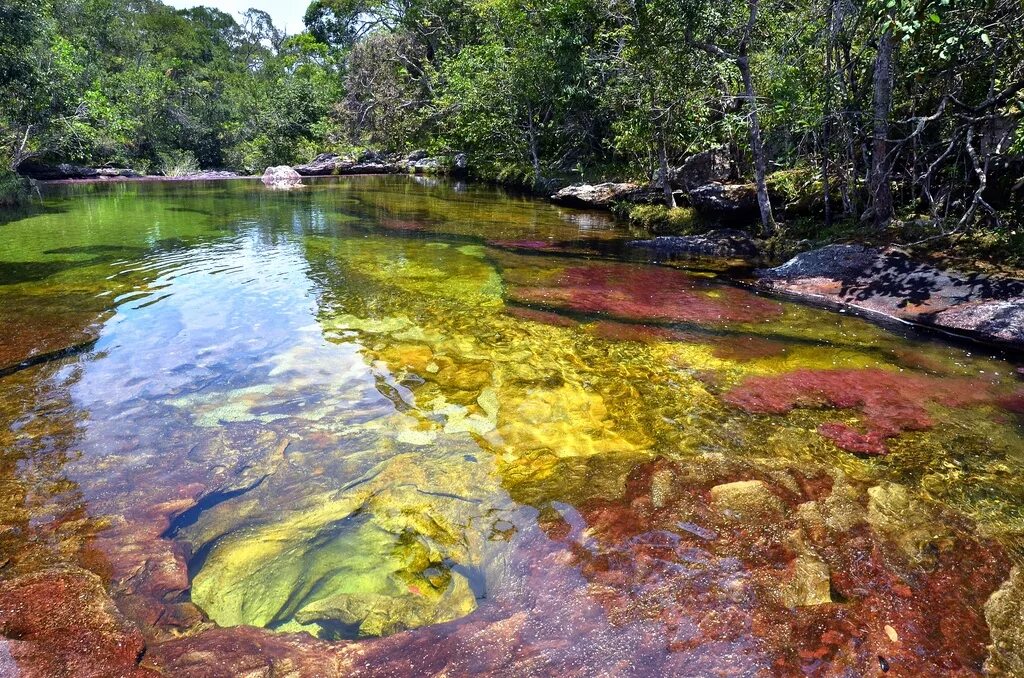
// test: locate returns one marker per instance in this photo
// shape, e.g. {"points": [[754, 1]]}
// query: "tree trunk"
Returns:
{"points": [[826, 128], [764, 203], [878, 184], [670, 198], [534, 154]]}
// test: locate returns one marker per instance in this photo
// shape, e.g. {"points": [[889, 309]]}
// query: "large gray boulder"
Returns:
{"points": [[66, 171], [596, 196], [282, 176], [890, 283], [725, 202], [425, 166], [323, 165], [332, 164], [703, 168]]}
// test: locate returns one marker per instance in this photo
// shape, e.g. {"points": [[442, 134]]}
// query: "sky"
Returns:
{"points": [[287, 14]]}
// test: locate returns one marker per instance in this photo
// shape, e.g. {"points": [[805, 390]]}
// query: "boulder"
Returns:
{"points": [[65, 171], [324, 164], [746, 501], [1004, 612], [725, 202], [210, 175], [282, 176], [703, 168], [891, 284], [600, 196], [719, 243], [426, 166], [332, 164]]}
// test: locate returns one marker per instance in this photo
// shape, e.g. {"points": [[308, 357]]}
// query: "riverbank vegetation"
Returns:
{"points": [[887, 110]]}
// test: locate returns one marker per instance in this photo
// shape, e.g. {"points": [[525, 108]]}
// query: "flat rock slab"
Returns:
{"points": [[600, 196], [889, 283], [720, 243], [67, 172]]}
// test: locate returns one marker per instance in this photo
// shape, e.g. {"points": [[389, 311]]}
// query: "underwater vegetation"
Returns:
{"points": [[381, 429]]}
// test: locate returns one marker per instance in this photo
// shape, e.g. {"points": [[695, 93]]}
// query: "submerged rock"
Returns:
{"points": [[746, 500], [891, 402], [1004, 613], [651, 293], [390, 551], [891, 284], [282, 177], [600, 196]]}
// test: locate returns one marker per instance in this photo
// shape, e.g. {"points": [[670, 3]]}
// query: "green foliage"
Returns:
{"points": [[13, 190], [539, 90], [177, 163]]}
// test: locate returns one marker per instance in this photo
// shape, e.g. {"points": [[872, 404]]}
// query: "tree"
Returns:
{"points": [[708, 22]]}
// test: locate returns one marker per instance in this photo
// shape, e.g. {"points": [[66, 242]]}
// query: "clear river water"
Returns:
{"points": [[401, 426]]}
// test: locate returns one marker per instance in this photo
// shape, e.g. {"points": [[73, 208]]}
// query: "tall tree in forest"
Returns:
{"points": [[652, 87], [712, 26]]}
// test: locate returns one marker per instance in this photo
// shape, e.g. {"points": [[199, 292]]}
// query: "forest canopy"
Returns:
{"points": [[878, 107]]}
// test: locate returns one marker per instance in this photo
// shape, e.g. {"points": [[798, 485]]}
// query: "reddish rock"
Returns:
{"points": [[62, 623], [663, 552], [248, 651]]}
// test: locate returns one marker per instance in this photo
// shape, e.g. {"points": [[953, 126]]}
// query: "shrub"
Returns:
{"points": [[660, 219], [177, 163], [13, 189]]}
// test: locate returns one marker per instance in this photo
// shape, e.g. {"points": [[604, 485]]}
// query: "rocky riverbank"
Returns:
{"points": [[883, 283], [891, 284]]}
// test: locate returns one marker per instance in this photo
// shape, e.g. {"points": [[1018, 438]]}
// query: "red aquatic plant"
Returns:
{"points": [[617, 331], [890, 402], [712, 581], [649, 293]]}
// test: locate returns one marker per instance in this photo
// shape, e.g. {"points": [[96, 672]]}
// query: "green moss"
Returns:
{"points": [[663, 220]]}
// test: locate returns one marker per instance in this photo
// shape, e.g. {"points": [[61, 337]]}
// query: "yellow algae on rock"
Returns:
{"points": [[746, 501], [565, 422], [810, 583], [909, 522], [383, 554]]}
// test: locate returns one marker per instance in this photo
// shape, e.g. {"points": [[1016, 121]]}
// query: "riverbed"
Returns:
{"points": [[404, 426]]}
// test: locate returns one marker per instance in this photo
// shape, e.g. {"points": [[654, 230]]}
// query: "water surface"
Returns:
{"points": [[446, 429]]}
